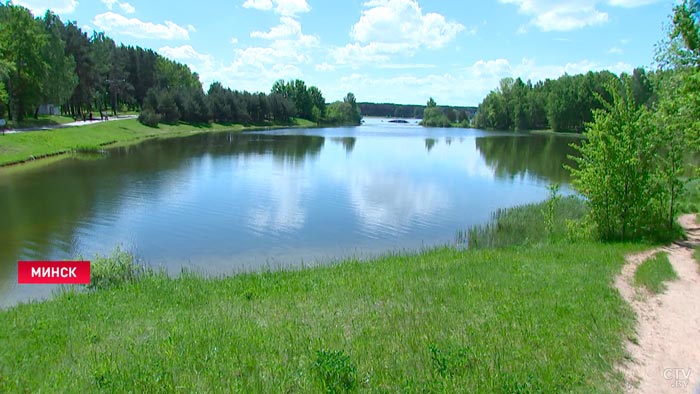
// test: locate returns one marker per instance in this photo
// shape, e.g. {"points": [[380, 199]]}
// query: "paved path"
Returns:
{"points": [[71, 124]]}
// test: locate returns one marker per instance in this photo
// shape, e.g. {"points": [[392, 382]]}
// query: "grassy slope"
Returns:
{"points": [[653, 272], [43, 120], [23, 146], [536, 319]]}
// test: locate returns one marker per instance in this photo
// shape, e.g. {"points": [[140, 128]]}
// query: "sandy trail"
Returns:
{"points": [[666, 355]]}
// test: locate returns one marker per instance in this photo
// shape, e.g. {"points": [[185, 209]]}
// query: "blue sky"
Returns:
{"points": [[401, 51]]}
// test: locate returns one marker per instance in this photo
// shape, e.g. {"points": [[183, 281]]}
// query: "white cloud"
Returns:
{"points": [[631, 3], [185, 53], [285, 48], [39, 7], [282, 7], [554, 15], [403, 22], [288, 27], [402, 66], [127, 8], [233, 40], [466, 86], [615, 50], [324, 67], [262, 5], [109, 21], [390, 27]]}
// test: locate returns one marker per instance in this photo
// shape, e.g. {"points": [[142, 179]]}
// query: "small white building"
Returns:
{"points": [[49, 109]]}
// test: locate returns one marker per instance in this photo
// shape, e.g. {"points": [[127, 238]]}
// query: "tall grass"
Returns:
{"points": [[552, 220], [116, 270]]}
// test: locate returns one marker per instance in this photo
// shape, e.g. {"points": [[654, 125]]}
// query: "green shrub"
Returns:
{"points": [[628, 170], [149, 118], [336, 371]]}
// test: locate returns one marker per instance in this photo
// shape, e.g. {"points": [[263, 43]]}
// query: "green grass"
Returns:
{"points": [[43, 120], [654, 272], [526, 320], [525, 225], [16, 148]]}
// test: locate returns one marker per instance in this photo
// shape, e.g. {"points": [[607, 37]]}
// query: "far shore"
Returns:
{"points": [[37, 148]]}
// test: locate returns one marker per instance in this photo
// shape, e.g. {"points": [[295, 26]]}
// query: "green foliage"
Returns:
{"points": [[564, 104], [149, 118], [620, 173], [527, 224], [345, 112], [654, 272], [336, 372], [115, 270], [549, 210], [433, 116], [44, 61], [304, 98], [22, 42]]}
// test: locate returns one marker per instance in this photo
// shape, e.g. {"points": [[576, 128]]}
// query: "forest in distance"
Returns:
{"points": [[48, 62], [45, 61]]}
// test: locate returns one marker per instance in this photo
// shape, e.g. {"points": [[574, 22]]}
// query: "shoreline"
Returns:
{"points": [[72, 145]]}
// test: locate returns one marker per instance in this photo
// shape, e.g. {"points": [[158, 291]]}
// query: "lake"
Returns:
{"points": [[228, 202]]}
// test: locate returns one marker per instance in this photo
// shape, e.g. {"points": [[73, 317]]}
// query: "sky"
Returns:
{"points": [[398, 51]]}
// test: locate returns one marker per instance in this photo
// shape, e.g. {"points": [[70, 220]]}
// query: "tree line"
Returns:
{"points": [[388, 110], [46, 61], [563, 104]]}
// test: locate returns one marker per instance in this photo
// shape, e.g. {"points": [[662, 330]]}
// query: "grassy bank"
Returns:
{"points": [[41, 121], [22, 147], [538, 319]]}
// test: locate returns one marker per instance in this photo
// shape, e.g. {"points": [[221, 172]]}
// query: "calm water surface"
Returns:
{"points": [[223, 203]]}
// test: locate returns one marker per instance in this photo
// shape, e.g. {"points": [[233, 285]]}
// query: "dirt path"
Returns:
{"points": [[666, 355]]}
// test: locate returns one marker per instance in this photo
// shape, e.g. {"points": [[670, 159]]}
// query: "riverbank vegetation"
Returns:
{"points": [[563, 104], [53, 65], [23, 147]]}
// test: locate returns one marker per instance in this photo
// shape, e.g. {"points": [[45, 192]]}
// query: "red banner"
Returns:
{"points": [[53, 272]]}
